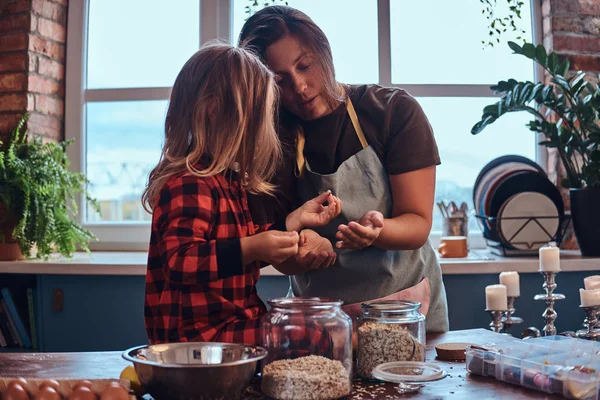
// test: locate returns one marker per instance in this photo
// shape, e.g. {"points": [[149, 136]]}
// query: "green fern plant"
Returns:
{"points": [[566, 111], [39, 194]]}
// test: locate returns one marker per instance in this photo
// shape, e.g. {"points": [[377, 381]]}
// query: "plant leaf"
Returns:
{"points": [[541, 55]]}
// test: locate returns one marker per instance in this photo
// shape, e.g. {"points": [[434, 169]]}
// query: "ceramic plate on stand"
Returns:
{"points": [[527, 233]]}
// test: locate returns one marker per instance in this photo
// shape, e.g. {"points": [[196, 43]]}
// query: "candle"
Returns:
{"points": [[510, 279], [592, 282], [495, 297], [549, 258], [589, 297]]}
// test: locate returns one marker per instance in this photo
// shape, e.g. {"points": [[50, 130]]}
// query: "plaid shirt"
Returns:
{"points": [[197, 288]]}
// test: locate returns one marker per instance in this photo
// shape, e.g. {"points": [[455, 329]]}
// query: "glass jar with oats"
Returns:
{"points": [[389, 331], [309, 344]]}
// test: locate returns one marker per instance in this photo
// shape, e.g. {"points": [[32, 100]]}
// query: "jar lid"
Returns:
{"points": [[408, 371]]}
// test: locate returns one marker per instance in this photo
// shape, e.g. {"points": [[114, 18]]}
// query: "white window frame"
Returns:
{"points": [[216, 21]]}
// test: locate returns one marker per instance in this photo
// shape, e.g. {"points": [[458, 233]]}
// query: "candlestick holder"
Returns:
{"points": [[509, 319], [550, 297], [496, 324], [590, 323]]}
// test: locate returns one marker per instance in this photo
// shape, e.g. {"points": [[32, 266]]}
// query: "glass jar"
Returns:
{"points": [[389, 331], [309, 344]]}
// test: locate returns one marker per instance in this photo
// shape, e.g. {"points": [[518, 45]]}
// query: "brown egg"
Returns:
{"points": [[83, 383], [82, 393], [19, 381], [47, 393], [49, 383], [15, 392], [114, 392]]}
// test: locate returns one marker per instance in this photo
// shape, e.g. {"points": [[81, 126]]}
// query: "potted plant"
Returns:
{"points": [[37, 197], [566, 112]]}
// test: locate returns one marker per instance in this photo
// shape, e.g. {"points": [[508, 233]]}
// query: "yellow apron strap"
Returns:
{"points": [[356, 124], [300, 140]]}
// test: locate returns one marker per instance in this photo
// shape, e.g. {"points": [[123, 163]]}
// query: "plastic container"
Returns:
{"points": [[309, 344], [564, 366], [389, 331]]}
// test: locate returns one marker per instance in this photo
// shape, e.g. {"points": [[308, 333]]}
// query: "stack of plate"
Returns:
{"points": [[520, 207]]}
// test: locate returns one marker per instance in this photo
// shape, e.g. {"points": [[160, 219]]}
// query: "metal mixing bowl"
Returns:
{"points": [[197, 370]]}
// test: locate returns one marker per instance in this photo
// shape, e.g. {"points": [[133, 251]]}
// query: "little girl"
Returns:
{"points": [[205, 252]]}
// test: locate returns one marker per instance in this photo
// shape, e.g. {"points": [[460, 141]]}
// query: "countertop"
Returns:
{"points": [[134, 263], [457, 385]]}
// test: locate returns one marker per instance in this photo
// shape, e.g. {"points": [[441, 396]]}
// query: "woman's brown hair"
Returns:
{"points": [[272, 23], [220, 117]]}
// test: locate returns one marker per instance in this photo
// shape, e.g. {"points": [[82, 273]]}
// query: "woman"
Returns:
{"points": [[374, 148]]}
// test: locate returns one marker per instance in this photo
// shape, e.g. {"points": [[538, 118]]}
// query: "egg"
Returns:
{"points": [[15, 392], [47, 393], [82, 393], [83, 383], [19, 381], [114, 392], [49, 383]]}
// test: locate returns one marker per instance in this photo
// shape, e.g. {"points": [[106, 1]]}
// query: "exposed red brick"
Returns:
{"points": [[40, 124], [50, 68], [50, 105], [15, 6], [52, 30], [12, 82], [38, 84], [15, 23], [12, 62], [17, 41], [584, 62], [47, 47], [30, 102], [13, 102], [49, 10], [33, 62], [583, 7], [63, 2], [573, 43], [8, 122], [33, 24]]}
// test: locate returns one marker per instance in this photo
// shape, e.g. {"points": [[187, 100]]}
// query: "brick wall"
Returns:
{"points": [[572, 29], [32, 65]]}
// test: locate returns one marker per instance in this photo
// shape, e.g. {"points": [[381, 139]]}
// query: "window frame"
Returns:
{"points": [[216, 22]]}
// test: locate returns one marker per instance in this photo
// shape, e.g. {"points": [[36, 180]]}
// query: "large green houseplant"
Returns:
{"points": [[38, 196], [566, 111]]}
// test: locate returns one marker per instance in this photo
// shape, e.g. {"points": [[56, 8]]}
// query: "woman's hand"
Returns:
{"points": [[313, 213], [360, 234], [314, 252]]}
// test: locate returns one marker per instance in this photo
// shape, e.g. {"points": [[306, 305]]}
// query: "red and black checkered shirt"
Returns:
{"points": [[197, 288]]}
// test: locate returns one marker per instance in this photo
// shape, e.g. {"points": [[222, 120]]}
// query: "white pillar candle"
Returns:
{"points": [[589, 297], [592, 282], [549, 258], [510, 279], [495, 297]]}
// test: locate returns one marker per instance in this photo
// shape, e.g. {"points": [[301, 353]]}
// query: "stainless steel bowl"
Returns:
{"points": [[195, 370]]}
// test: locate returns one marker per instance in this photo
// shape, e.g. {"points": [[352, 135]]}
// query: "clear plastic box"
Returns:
{"points": [[560, 365]]}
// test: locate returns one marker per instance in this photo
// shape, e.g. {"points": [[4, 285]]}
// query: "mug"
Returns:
{"points": [[453, 247]]}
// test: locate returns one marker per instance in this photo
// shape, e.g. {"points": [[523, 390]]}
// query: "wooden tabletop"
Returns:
{"points": [[457, 385]]}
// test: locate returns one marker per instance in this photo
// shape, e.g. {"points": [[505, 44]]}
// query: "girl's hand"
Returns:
{"points": [[314, 252], [313, 213], [271, 246], [360, 234]]}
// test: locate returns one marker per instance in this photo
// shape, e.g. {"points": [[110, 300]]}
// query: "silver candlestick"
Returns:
{"points": [[509, 319], [590, 323], [496, 324], [549, 314]]}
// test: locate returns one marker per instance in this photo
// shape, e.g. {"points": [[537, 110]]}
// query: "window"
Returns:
{"points": [[123, 58]]}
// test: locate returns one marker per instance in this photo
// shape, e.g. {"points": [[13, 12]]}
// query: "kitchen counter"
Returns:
{"points": [[457, 385], [134, 264]]}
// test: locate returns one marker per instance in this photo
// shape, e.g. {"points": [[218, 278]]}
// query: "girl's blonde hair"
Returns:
{"points": [[220, 117]]}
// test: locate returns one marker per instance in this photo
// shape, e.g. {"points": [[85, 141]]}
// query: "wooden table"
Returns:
{"points": [[458, 385]]}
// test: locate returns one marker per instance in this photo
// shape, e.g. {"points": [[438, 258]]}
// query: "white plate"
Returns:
{"points": [[408, 371], [526, 205]]}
